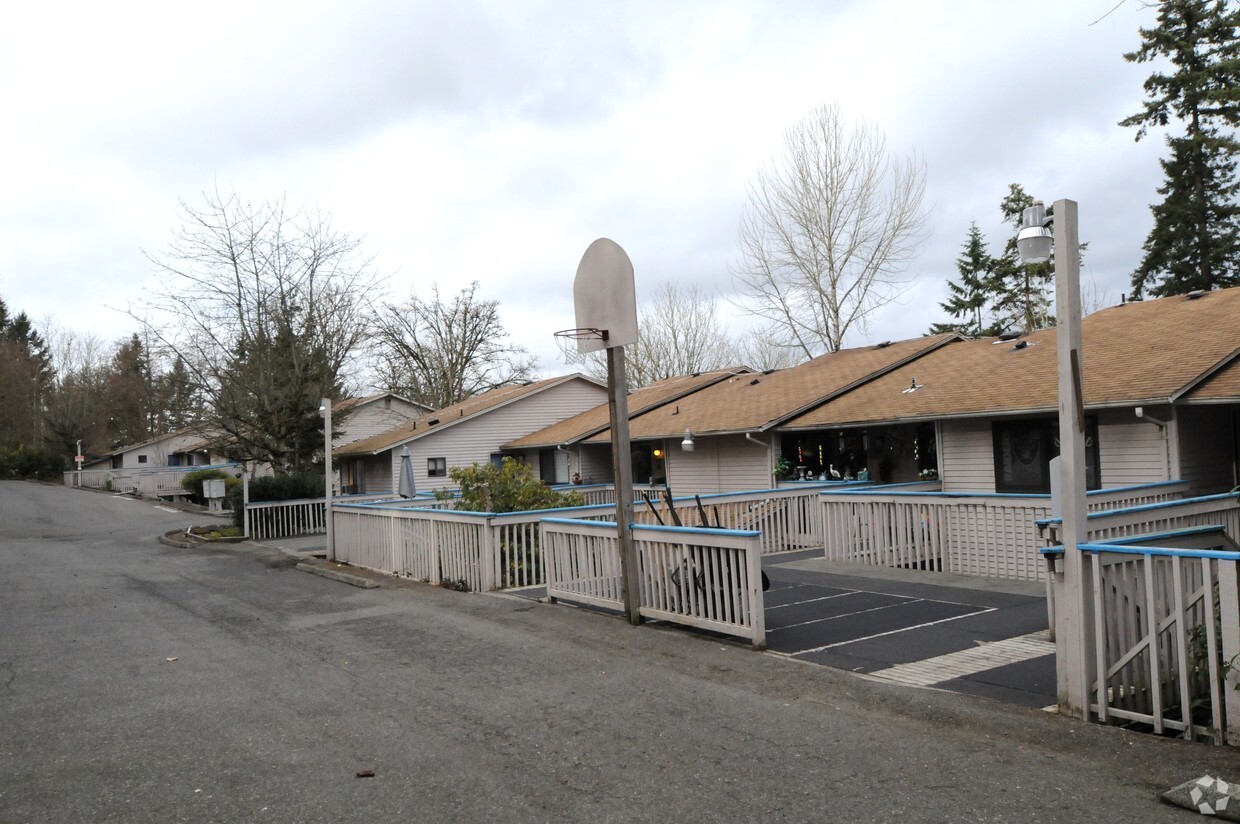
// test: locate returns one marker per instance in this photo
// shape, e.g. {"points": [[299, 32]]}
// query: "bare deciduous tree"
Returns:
{"points": [[439, 353], [266, 308], [828, 231], [679, 332]]}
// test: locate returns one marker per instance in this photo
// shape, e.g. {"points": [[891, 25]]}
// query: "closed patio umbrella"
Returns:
{"points": [[406, 488]]}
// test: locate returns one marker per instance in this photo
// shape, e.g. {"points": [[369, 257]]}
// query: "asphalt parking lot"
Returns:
{"points": [[974, 636]]}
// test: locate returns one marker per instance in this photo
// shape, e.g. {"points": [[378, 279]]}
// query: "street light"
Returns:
{"points": [[325, 410], [1071, 616]]}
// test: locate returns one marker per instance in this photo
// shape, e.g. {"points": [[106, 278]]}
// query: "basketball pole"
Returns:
{"points": [[621, 461]]}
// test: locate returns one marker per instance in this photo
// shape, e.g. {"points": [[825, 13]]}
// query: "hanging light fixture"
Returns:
{"points": [[687, 444]]}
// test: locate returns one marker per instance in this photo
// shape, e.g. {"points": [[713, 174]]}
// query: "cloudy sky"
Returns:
{"points": [[493, 141]]}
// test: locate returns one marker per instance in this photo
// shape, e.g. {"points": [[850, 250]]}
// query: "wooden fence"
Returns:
{"points": [[992, 535], [158, 481], [1164, 636], [709, 579], [268, 520]]}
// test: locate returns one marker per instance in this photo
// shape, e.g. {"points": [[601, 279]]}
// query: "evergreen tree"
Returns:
{"points": [[968, 298], [1195, 241], [128, 394], [1020, 291]]}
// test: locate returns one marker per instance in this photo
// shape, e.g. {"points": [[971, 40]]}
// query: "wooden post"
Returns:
{"points": [[1229, 610], [1073, 630], [622, 471], [326, 406]]}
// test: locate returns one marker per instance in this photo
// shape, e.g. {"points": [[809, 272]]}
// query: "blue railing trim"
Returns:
{"points": [[1146, 507], [694, 530]]}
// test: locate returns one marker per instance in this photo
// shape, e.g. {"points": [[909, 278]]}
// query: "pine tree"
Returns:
{"points": [[1195, 241], [1020, 291], [968, 298]]}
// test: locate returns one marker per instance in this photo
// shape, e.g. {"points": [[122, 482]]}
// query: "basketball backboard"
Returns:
{"points": [[604, 297]]}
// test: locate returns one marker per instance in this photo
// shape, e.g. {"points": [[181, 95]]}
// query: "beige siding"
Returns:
{"points": [[1207, 450], [374, 419], [966, 456], [593, 461], [1132, 451], [724, 464], [157, 452], [475, 440]]}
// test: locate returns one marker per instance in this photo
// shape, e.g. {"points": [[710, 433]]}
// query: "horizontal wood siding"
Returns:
{"points": [[1207, 448], [593, 463], [1132, 451], [375, 475], [724, 464], [475, 440], [967, 456], [373, 419]]}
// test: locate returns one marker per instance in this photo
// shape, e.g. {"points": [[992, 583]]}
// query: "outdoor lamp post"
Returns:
{"points": [[325, 409], [1071, 615]]}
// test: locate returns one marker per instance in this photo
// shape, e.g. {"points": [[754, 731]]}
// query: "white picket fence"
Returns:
{"points": [[708, 579], [991, 535]]}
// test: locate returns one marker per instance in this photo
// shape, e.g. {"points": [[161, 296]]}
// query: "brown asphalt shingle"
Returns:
{"points": [[1142, 352], [640, 400], [747, 403], [467, 408]]}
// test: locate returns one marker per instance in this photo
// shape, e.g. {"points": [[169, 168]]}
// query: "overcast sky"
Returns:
{"points": [[493, 141]]}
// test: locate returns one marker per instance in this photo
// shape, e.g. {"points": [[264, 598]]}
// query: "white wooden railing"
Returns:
{"points": [[991, 535], [437, 546], [705, 578], [158, 481], [1103, 526], [268, 520], [1163, 639]]}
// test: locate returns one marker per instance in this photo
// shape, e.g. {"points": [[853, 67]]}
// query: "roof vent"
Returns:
{"points": [[432, 421], [883, 345], [1196, 293], [1006, 336], [754, 382], [1023, 344], [912, 387]]}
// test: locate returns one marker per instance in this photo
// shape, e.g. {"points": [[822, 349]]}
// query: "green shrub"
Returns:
{"points": [[192, 482], [27, 462], [286, 487], [509, 487]]}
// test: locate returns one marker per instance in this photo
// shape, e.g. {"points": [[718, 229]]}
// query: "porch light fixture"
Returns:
{"points": [[687, 444], [1033, 241]]}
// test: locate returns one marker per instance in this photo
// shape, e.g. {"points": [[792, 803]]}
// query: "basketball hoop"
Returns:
{"points": [[583, 333]]}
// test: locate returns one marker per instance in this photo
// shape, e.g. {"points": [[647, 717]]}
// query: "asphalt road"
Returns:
{"points": [[471, 707]]}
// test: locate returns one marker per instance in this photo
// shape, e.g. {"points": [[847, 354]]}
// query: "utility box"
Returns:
{"points": [[213, 491]]}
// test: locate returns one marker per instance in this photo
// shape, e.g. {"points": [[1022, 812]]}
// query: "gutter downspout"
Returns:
{"points": [[770, 463], [1164, 427]]}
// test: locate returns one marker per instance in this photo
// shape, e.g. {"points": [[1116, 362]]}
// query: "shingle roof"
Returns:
{"points": [[449, 416], [1143, 352], [640, 400], [349, 403], [754, 402]]}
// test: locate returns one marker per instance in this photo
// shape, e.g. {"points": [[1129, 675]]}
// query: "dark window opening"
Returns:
{"points": [[436, 467], [1023, 450]]}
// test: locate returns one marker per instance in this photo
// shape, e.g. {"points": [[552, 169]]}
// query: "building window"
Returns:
{"points": [[1023, 450], [141, 459], [436, 467]]}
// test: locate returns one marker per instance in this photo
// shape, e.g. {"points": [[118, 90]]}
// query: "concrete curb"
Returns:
{"points": [[337, 575]]}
